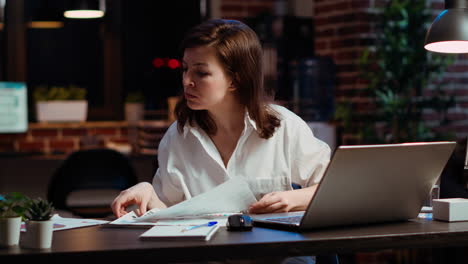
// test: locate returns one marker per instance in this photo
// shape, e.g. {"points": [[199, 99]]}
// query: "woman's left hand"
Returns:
{"points": [[283, 201], [275, 202]]}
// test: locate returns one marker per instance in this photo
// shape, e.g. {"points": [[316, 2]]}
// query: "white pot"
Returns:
{"points": [[62, 111], [134, 112], [38, 234], [10, 228]]}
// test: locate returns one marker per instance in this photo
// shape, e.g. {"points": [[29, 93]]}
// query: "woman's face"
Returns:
{"points": [[206, 85]]}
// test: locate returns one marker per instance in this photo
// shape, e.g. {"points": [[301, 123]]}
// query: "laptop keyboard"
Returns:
{"points": [[288, 219]]}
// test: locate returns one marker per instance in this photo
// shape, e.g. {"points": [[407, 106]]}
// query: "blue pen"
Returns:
{"points": [[197, 226]]}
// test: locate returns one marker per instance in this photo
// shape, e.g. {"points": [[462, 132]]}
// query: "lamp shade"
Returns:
{"points": [[85, 9], [449, 31]]}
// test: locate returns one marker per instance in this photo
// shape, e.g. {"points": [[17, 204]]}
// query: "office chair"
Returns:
{"points": [[85, 177]]}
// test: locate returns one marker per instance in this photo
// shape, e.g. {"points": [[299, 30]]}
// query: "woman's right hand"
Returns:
{"points": [[141, 194]]}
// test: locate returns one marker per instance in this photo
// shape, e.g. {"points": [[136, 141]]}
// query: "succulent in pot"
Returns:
{"points": [[39, 226], [39, 210]]}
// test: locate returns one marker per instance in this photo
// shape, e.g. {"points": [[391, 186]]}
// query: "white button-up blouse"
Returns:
{"points": [[190, 164]]}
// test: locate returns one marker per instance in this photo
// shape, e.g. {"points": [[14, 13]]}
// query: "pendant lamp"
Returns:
{"points": [[85, 9], [449, 31]]}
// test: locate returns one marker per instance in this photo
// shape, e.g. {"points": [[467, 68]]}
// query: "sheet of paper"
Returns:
{"points": [[62, 223], [128, 220], [232, 196]]}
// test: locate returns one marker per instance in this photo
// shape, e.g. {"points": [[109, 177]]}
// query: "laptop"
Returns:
{"points": [[366, 184]]}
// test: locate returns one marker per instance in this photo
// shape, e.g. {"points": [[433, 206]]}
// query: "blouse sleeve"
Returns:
{"points": [[167, 184], [310, 156]]}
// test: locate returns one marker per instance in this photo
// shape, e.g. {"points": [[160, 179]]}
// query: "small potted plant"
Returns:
{"points": [[61, 104], [134, 107], [12, 207], [39, 226]]}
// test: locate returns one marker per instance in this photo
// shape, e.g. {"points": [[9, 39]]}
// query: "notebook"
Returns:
{"points": [[366, 184], [179, 233]]}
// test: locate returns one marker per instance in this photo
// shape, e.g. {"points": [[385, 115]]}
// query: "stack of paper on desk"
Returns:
{"points": [[231, 197]]}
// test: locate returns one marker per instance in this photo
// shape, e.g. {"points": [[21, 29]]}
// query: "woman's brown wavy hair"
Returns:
{"points": [[240, 52]]}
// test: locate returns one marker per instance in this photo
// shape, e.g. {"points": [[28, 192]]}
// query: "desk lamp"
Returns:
{"points": [[449, 31], [85, 9]]}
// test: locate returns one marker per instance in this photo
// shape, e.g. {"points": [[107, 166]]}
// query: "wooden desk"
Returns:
{"points": [[122, 244]]}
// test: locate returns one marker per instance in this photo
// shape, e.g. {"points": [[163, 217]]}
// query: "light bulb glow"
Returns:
{"points": [[455, 46], [45, 24], [83, 13]]}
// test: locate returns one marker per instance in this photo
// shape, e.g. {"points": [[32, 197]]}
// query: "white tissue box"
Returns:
{"points": [[451, 210]]}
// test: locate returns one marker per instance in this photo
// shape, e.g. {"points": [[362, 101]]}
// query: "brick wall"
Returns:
{"points": [[63, 138], [344, 28]]}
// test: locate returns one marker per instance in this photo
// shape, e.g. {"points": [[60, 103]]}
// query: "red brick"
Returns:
{"points": [[353, 29], [380, 3], [73, 132], [361, 4], [343, 18], [321, 45], [99, 142], [346, 67], [44, 133], [7, 146], [319, 22], [329, 32], [347, 80], [347, 55], [255, 10], [31, 146], [345, 43], [232, 8], [119, 140], [62, 144], [103, 131], [12, 136]]}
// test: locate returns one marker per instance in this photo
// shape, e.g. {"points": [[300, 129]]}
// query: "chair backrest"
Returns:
{"points": [[90, 169]]}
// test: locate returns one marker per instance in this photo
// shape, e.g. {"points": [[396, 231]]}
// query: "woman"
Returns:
{"points": [[227, 128]]}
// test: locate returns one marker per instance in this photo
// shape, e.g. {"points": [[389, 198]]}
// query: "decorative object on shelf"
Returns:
{"points": [[134, 107], [12, 207], [171, 104], [39, 226], [13, 107], [61, 104]]}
